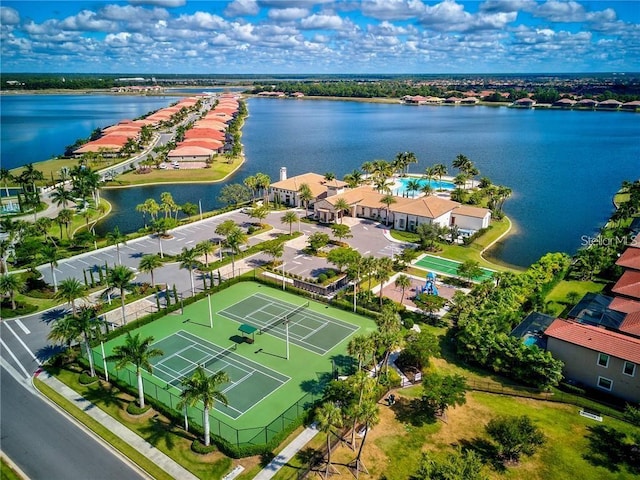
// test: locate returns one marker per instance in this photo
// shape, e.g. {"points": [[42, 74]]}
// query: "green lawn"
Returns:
{"points": [[557, 300], [219, 170]]}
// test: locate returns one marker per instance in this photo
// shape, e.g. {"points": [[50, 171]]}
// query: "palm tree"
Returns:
{"points": [[369, 416], [289, 217], [70, 290], [5, 178], [384, 267], [430, 174], [264, 182], [148, 263], [328, 416], [189, 260], [368, 267], [64, 218], [121, 276], [403, 282], [439, 170], [62, 196], [206, 248], [115, 237], [85, 322], [353, 179], [413, 185], [368, 168], [329, 177], [139, 353], [274, 250], [306, 195], [42, 226], [341, 206], [360, 347], [64, 330], [234, 239], [167, 204], [10, 284], [462, 163], [202, 388], [50, 255], [388, 200], [252, 184]]}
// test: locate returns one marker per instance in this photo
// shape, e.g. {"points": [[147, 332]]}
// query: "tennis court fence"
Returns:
{"points": [[167, 398]]}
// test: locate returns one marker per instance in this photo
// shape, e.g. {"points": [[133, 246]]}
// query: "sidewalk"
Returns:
{"points": [[287, 453], [145, 448]]}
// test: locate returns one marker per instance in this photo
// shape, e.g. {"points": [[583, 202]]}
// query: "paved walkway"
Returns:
{"points": [[287, 453], [142, 446]]}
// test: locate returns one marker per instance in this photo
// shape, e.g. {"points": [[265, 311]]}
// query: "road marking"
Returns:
{"points": [[22, 327], [367, 252], [366, 228], [4, 346], [297, 263], [82, 261], [23, 344], [298, 256]]}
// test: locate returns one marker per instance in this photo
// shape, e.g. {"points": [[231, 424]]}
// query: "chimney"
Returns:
{"points": [[283, 173]]}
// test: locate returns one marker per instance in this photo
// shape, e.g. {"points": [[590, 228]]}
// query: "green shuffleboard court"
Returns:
{"points": [[448, 267], [308, 329], [250, 381]]}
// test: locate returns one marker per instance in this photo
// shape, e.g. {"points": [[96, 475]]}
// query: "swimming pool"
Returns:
{"points": [[400, 187]]}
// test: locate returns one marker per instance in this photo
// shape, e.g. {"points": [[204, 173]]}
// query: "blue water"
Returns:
{"points": [[435, 184], [563, 166], [39, 127]]}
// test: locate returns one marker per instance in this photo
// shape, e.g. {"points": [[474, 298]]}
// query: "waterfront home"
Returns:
{"points": [[286, 191], [469, 101], [610, 104], [190, 153], [564, 103], [586, 103], [596, 358], [404, 213], [524, 103], [631, 106]]}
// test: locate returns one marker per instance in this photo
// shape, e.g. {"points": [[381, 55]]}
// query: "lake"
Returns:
{"points": [[563, 166]]}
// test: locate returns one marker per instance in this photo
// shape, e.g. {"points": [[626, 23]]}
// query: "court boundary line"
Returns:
{"points": [[199, 342], [318, 317]]}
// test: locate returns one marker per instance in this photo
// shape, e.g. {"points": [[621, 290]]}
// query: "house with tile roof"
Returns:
{"points": [[596, 357], [286, 191]]}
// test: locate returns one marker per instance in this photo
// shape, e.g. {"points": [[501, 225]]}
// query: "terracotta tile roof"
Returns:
{"points": [[210, 124], [315, 181], [429, 206], [469, 211], [189, 151], [202, 142], [624, 305], [596, 339], [631, 324], [628, 284], [630, 258], [202, 132]]}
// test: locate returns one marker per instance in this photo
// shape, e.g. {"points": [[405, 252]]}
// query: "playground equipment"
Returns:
{"points": [[429, 287]]}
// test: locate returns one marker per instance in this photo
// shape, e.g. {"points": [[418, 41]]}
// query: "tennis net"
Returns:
{"points": [[220, 355], [283, 318]]}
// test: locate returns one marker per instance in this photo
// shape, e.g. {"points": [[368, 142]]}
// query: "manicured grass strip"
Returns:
{"points": [[6, 472], [115, 441]]}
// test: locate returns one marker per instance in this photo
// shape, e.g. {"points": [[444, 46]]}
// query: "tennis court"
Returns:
{"points": [[308, 329], [250, 381], [448, 267]]}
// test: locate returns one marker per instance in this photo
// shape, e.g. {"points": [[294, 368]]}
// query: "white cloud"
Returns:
{"points": [[240, 8], [507, 6], [287, 14], [160, 3], [9, 16], [201, 21], [322, 22], [393, 9], [87, 20]]}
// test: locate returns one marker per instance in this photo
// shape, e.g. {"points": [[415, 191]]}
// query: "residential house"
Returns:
{"points": [[597, 358], [286, 191]]}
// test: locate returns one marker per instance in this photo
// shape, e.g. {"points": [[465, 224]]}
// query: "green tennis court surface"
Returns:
{"points": [[308, 329], [448, 267], [250, 381]]}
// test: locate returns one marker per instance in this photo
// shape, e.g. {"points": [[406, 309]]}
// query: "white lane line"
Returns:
{"points": [[23, 344], [4, 346], [82, 261], [365, 228], [22, 326], [367, 252], [298, 256]]}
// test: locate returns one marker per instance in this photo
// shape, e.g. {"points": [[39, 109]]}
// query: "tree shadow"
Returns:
{"points": [[316, 385], [105, 395], [413, 412], [344, 364], [54, 314], [485, 450], [158, 429], [612, 449], [309, 458], [48, 351]]}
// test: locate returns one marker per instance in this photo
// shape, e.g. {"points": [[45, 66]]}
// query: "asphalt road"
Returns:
{"points": [[43, 442], [46, 445]]}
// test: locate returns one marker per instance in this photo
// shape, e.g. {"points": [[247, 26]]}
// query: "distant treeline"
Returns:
{"points": [[397, 89]]}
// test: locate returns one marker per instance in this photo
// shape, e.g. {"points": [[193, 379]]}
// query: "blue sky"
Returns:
{"points": [[321, 36]]}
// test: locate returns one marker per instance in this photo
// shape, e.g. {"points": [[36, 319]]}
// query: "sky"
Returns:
{"points": [[319, 36]]}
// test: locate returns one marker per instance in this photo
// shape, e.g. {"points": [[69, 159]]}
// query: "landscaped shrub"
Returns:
{"points": [[200, 448], [330, 273], [322, 277], [85, 379], [134, 409]]}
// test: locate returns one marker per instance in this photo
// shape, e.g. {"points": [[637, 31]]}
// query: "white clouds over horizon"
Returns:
{"points": [[321, 36]]}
